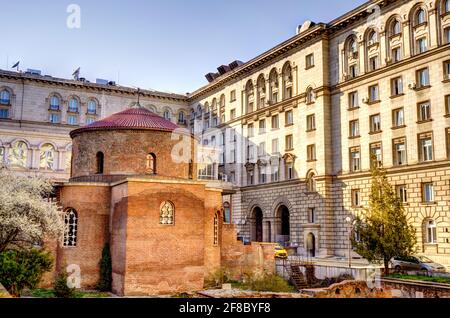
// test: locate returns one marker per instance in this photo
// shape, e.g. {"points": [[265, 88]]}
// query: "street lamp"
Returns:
{"points": [[349, 221]]}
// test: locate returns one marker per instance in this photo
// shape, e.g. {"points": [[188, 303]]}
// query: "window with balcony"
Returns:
{"points": [[355, 159], [425, 147], [354, 128], [399, 151], [375, 123], [398, 118], [424, 112], [397, 86]]}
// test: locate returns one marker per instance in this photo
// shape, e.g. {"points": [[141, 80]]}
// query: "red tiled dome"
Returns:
{"points": [[132, 118]]}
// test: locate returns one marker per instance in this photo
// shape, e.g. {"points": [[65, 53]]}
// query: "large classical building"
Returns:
{"points": [[293, 129]]}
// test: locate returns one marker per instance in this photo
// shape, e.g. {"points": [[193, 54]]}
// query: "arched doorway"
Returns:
{"points": [[284, 225], [311, 245], [257, 225]]}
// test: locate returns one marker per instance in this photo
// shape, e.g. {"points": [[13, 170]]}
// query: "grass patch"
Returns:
{"points": [[265, 283], [49, 293], [443, 280]]}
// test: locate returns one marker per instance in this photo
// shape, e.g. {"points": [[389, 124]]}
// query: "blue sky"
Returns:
{"points": [[168, 45]]}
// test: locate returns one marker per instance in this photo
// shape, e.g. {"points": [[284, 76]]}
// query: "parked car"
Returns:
{"points": [[280, 252], [416, 263]]}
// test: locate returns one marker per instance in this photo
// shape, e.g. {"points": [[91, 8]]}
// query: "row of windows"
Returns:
{"points": [[420, 40], [397, 89], [166, 217], [73, 109], [424, 144]]}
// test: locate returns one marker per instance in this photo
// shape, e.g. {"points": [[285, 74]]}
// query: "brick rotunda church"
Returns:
{"points": [[165, 228]]}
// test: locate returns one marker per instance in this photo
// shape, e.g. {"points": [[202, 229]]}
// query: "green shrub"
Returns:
{"points": [[266, 282], [105, 282], [217, 278], [23, 269], [61, 289]]}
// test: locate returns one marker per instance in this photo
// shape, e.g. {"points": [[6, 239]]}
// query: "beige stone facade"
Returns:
{"points": [[296, 125]]}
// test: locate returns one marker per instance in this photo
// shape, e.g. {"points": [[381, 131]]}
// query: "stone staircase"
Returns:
{"points": [[295, 274]]}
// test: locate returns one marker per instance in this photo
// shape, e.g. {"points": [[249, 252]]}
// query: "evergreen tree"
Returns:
{"points": [[383, 228], [105, 282]]}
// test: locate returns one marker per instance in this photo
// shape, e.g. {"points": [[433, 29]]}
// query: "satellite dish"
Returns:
{"points": [[305, 26]]}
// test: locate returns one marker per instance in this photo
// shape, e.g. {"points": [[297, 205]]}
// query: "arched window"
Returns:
{"points": [[47, 157], [167, 115], [181, 118], [373, 37], [352, 46], [261, 91], [92, 107], [311, 182], [249, 93], [310, 96], [19, 154], [431, 232], [55, 103], [287, 81], [396, 27], [73, 105], [273, 85], [167, 213], [151, 163], [71, 228], [100, 162], [216, 229], [5, 97], [420, 16]]}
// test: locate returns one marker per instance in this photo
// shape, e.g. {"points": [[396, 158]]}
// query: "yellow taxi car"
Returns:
{"points": [[280, 252]]}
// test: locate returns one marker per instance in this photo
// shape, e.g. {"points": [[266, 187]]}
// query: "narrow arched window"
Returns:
{"points": [[92, 107], [70, 228], [100, 162], [73, 105], [167, 213], [310, 96], [5, 97], [311, 182], [167, 115], [431, 232], [373, 37], [54, 103], [181, 118], [396, 27], [353, 46], [151, 163], [420, 17]]}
